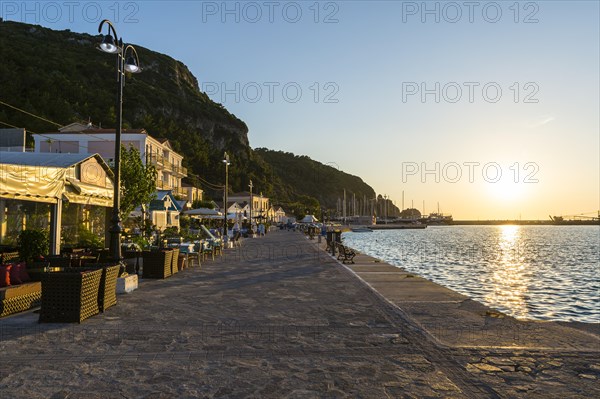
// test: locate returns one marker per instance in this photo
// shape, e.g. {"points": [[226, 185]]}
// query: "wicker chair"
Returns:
{"points": [[157, 264], [69, 297], [174, 261], [107, 293], [18, 298]]}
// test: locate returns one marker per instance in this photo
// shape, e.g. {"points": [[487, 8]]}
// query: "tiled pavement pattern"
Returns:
{"points": [[279, 318]]}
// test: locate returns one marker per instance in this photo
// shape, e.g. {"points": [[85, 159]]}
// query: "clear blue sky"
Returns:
{"points": [[362, 67]]}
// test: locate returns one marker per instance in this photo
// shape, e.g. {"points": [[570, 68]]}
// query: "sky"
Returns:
{"points": [[489, 109]]}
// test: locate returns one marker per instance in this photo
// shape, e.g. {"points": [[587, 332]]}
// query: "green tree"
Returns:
{"points": [[203, 204], [138, 181]]}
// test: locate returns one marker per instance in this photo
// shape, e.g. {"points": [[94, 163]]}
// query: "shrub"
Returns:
{"points": [[33, 244]]}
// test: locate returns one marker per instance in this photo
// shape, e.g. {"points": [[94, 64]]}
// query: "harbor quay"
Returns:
{"points": [[279, 317]]}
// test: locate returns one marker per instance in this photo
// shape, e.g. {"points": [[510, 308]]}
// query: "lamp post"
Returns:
{"points": [[227, 163], [251, 186], [262, 211], [112, 44]]}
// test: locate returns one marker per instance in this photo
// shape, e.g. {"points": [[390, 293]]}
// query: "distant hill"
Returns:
{"points": [[61, 76], [300, 175]]}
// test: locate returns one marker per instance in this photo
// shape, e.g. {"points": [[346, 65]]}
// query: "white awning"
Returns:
{"points": [[43, 178], [32, 183], [203, 212]]}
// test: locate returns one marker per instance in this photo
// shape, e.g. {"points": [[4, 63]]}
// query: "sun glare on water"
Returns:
{"points": [[510, 281]]}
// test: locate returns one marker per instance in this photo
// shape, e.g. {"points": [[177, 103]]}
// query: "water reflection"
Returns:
{"points": [[509, 282], [539, 272]]}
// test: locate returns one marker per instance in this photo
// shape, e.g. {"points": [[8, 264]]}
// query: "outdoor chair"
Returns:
{"points": [[107, 293], [193, 258], [182, 261], [174, 261], [157, 264], [70, 296], [208, 250], [218, 247]]}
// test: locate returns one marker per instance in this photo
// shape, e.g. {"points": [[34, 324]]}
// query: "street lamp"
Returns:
{"points": [[227, 163], [251, 186], [127, 60]]}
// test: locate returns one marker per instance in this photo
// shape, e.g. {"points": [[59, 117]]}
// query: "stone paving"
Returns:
{"points": [[279, 318]]}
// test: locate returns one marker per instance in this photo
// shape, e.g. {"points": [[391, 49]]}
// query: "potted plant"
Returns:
{"points": [[33, 244]]}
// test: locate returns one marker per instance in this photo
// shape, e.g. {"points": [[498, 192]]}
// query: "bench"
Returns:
{"points": [[345, 254], [19, 298], [8, 257]]}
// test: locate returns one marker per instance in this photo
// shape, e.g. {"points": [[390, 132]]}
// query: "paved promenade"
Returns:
{"points": [[279, 318]]}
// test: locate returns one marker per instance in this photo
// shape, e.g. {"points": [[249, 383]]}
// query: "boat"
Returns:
{"points": [[438, 219], [362, 230]]}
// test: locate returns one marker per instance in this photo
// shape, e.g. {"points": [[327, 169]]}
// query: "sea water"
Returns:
{"points": [[529, 272]]}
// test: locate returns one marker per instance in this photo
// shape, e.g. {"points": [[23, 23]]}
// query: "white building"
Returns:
{"points": [[260, 203], [164, 210], [78, 138], [279, 215]]}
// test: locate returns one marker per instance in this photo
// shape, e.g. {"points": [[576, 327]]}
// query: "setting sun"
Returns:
{"points": [[507, 190]]}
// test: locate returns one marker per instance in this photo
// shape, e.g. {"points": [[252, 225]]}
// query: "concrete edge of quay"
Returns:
{"points": [[453, 320]]}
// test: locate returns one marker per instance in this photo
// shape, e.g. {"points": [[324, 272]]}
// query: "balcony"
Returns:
{"points": [[157, 161], [180, 192], [163, 185], [179, 171]]}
